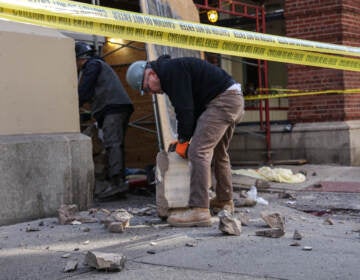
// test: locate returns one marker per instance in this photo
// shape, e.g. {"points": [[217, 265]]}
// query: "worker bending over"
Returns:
{"points": [[208, 104]]}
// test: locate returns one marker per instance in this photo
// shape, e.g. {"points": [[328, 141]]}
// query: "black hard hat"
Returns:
{"points": [[83, 50]]}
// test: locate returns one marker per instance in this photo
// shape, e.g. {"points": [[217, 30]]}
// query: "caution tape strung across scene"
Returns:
{"points": [[296, 93], [92, 19]]}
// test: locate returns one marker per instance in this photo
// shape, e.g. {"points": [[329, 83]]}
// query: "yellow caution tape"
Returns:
{"points": [[92, 19], [297, 93]]}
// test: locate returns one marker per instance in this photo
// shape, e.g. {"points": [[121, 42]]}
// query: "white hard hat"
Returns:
{"points": [[135, 75]]}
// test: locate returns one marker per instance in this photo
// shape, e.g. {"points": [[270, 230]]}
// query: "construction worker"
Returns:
{"points": [[111, 107], [208, 104]]}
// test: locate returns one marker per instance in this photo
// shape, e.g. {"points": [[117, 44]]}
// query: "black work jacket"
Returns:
{"points": [[190, 84], [100, 86]]}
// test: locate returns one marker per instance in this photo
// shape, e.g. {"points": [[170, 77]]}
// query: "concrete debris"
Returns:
{"points": [[277, 224], [105, 261], [85, 229], [191, 244], [30, 229], [228, 223], [273, 220], [297, 235], [67, 213], [244, 219], [100, 214], [273, 233], [65, 256], [307, 248], [356, 230], [121, 215], [85, 220], [329, 221], [149, 210], [94, 211], [117, 221], [244, 202], [70, 266], [116, 227]]}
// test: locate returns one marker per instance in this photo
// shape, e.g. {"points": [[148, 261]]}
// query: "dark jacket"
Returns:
{"points": [[100, 86], [190, 84]]}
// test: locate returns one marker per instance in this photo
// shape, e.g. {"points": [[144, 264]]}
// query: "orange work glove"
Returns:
{"points": [[182, 148]]}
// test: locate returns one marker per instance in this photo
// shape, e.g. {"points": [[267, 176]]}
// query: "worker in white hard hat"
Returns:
{"points": [[208, 104]]}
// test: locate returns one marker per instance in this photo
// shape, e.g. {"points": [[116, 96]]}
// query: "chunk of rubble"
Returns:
{"points": [[307, 248], [273, 220], [244, 202], [116, 227], [297, 235], [273, 233], [191, 244], [329, 221], [276, 222], [31, 228], [228, 223], [70, 266], [149, 210], [117, 221], [105, 261], [67, 213], [244, 219]]}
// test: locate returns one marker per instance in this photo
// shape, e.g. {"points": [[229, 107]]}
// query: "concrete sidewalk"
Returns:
{"points": [[154, 250]]}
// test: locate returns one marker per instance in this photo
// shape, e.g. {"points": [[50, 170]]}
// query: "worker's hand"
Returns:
{"points": [[172, 146], [182, 148]]}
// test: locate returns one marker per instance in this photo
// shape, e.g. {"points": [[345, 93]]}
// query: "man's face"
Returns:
{"points": [[151, 83]]}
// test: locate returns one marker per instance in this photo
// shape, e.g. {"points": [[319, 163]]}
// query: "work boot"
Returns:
{"points": [[117, 187], [191, 217], [217, 205]]}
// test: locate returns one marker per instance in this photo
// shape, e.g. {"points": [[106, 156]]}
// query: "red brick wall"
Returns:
{"points": [[330, 21]]}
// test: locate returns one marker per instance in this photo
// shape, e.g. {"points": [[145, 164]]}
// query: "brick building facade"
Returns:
{"points": [[331, 21]]}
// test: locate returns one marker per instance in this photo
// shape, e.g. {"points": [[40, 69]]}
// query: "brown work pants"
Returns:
{"points": [[211, 139]]}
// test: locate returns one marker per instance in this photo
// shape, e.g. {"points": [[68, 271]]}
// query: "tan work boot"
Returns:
{"points": [[217, 205], [192, 217]]}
